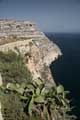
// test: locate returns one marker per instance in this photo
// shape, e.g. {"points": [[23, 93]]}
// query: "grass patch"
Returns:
{"points": [[13, 68]]}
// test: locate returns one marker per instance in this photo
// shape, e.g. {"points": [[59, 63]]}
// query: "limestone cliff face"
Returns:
{"points": [[38, 51]]}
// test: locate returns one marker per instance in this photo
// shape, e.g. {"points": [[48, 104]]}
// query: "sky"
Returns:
{"points": [[50, 15]]}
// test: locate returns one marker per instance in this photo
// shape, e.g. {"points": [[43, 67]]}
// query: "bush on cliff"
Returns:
{"points": [[38, 102]]}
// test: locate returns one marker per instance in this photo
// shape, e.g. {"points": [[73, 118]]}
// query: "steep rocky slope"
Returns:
{"points": [[38, 51]]}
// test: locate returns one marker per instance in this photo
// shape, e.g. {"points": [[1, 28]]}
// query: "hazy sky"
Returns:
{"points": [[50, 15]]}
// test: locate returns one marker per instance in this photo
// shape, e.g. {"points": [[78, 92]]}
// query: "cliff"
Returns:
{"points": [[38, 51]]}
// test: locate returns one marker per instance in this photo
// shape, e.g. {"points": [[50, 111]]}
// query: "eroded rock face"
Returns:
{"points": [[38, 51], [18, 28]]}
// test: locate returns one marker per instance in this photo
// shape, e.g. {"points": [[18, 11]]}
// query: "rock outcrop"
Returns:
{"points": [[38, 51]]}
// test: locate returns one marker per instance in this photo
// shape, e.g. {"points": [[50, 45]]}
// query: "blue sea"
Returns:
{"points": [[66, 70]]}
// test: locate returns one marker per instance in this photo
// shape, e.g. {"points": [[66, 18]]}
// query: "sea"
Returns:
{"points": [[66, 70]]}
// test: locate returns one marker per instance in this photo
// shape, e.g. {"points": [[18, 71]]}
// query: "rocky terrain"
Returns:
{"points": [[38, 51]]}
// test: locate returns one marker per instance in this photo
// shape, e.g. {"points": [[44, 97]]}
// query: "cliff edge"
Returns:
{"points": [[38, 51]]}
